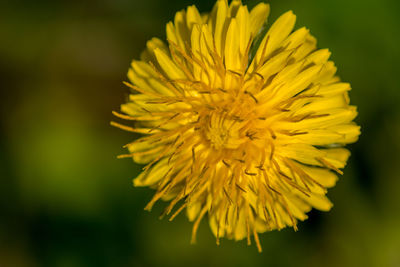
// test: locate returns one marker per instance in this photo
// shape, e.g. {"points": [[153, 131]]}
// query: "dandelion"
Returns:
{"points": [[244, 128]]}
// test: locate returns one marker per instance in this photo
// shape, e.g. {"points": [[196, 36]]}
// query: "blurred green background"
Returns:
{"points": [[65, 200]]}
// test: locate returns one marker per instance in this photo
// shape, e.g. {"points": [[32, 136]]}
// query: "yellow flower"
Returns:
{"points": [[252, 140]]}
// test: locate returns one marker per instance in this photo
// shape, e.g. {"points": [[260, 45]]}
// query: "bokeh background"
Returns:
{"points": [[65, 200]]}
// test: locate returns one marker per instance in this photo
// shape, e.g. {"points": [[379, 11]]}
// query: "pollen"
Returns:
{"points": [[243, 128]]}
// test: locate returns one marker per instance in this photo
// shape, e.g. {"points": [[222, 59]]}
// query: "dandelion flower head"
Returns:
{"points": [[246, 129]]}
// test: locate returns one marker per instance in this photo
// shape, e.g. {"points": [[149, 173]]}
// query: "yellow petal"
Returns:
{"points": [[234, 7], [334, 89], [258, 17], [303, 153], [172, 35], [220, 25], [206, 44], [296, 39], [243, 21], [193, 210], [349, 132], [274, 65], [320, 105], [320, 202], [334, 135], [334, 117], [154, 175], [323, 176], [143, 75], [337, 156], [298, 211], [195, 44], [240, 230], [327, 74], [192, 17], [216, 225], [168, 66], [232, 53], [320, 56], [181, 29], [309, 45], [148, 54], [278, 32], [298, 84]]}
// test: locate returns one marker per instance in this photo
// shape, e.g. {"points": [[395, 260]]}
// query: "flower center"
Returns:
{"points": [[223, 131]]}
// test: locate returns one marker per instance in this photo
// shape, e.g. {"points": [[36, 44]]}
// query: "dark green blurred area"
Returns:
{"points": [[65, 200]]}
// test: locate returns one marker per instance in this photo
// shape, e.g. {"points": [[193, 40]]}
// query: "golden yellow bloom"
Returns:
{"points": [[252, 140]]}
